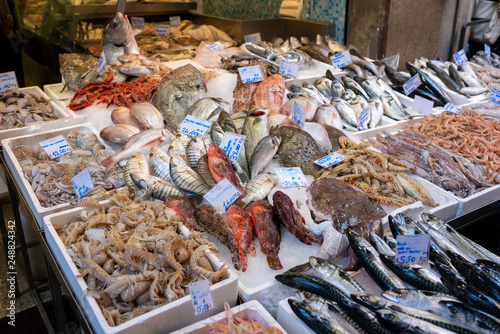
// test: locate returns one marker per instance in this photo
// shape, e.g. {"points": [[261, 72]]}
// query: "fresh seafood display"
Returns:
{"points": [[454, 293], [19, 109], [232, 324], [51, 178], [134, 258], [119, 40]]}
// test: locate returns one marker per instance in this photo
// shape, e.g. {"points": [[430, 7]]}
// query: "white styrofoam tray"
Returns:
{"points": [[290, 322], [165, 319], [15, 168], [63, 117], [251, 310], [61, 98]]}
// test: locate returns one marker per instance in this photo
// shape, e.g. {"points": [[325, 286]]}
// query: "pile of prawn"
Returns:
{"points": [[119, 93], [378, 175], [467, 134], [134, 257], [234, 324]]}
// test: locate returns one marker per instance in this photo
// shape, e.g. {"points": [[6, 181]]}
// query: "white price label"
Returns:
{"points": [[487, 50], [8, 80], [330, 160], [495, 95], [250, 74], [215, 46], [412, 84], [232, 143], [175, 21], [201, 296], [101, 63], [193, 126], [222, 195], [291, 177], [288, 69], [460, 57], [422, 106], [299, 114], [56, 146], [253, 38], [341, 59], [162, 30], [412, 249], [137, 22], [82, 182], [451, 107], [363, 116], [438, 63]]}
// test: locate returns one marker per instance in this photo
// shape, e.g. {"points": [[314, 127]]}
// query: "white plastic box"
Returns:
{"points": [[165, 319], [251, 310], [17, 173], [290, 322]]}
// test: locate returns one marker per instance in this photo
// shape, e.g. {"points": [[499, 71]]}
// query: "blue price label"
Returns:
{"points": [[487, 50], [8, 80], [162, 30], [82, 182], [298, 114], [55, 147], [341, 59], [253, 38], [250, 74], [495, 95], [175, 21], [451, 107], [216, 46], [288, 69], [222, 195], [460, 57], [193, 126], [137, 22], [412, 249], [101, 63], [232, 144], [201, 296], [363, 117], [412, 84]]}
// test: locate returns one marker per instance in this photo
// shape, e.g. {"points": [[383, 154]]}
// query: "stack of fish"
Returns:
{"points": [[487, 69], [457, 292]]}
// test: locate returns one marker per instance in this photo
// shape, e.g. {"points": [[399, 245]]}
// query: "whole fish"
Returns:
{"points": [[161, 189], [147, 115], [376, 112], [347, 114], [119, 39], [185, 208], [312, 284], [470, 91], [392, 109], [214, 223], [359, 104], [389, 91], [147, 138], [243, 93], [185, 178], [216, 133], [372, 263], [119, 133], [254, 128], [259, 187], [355, 69], [327, 114], [209, 108], [349, 95], [372, 89], [336, 46], [455, 76], [404, 323], [394, 76], [160, 162], [194, 150], [334, 134], [204, 171], [354, 86], [336, 276], [226, 123], [122, 115], [220, 168], [380, 245], [324, 85], [445, 77], [241, 223], [183, 138], [315, 52], [263, 154], [461, 312], [430, 84], [268, 232], [310, 104], [320, 135], [338, 88], [177, 149], [137, 172]]}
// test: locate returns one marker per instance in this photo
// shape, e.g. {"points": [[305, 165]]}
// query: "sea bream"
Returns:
{"points": [[119, 40]]}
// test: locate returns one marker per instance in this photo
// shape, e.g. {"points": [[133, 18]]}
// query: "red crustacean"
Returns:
{"points": [[292, 219], [268, 232], [241, 223]]}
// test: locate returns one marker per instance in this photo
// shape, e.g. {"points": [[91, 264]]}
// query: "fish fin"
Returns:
{"points": [[154, 142], [274, 262], [109, 162]]}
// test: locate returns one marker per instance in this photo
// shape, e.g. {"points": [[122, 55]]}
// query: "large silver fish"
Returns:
{"points": [[254, 128], [263, 154], [119, 40]]}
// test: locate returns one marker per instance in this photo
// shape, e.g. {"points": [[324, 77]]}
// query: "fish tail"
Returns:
{"points": [[243, 260], [251, 250], [109, 162], [274, 262], [236, 260]]}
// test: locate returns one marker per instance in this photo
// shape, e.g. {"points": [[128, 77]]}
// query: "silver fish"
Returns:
{"points": [[338, 89], [324, 85], [176, 148], [263, 154], [195, 149], [371, 88], [184, 138], [392, 109], [359, 104], [216, 133], [380, 245], [185, 178], [147, 115], [254, 128], [468, 91], [209, 108], [119, 133], [376, 112], [119, 39], [346, 113], [204, 172], [161, 189], [160, 162], [349, 95], [259, 187]]}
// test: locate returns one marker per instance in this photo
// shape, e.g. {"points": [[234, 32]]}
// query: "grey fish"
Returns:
{"points": [[369, 66], [119, 133], [349, 95], [254, 128], [204, 172], [392, 109], [298, 149], [209, 108], [470, 91], [238, 120], [336, 276], [176, 148], [185, 178], [380, 245], [324, 85], [355, 69], [334, 134], [455, 76], [376, 112], [336, 46], [415, 298], [195, 149], [160, 162], [358, 104], [354, 86], [338, 89], [226, 123], [259, 187], [445, 77], [408, 324], [294, 42], [346, 112], [263, 154], [371, 88], [119, 39]]}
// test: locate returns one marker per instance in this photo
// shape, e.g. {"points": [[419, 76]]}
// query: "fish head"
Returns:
{"points": [[368, 300], [321, 267], [390, 316], [119, 31]]}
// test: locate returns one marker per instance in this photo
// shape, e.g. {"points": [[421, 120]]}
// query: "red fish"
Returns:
{"points": [[242, 226], [221, 168], [270, 93], [184, 208], [268, 232], [292, 219], [242, 94]]}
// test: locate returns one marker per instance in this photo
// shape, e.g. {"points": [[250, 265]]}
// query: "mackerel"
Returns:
{"points": [[336, 276], [315, 318], [408, 324]]}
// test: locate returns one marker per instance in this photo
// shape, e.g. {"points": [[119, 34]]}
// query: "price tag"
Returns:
{"points": [[363, 116], [341, 59], [288, 69], [82, 182], [487, 50], [451, 107], [412, 84], [495, 95], [232, 143], [193, 126], [412, 249], [56, 146], [201, 296], [8, 80], [222, 195], [101, 63], [162, 30], [175, 21], [253, 38], [215, 46], [137, 22], [291, 177], [438, 63], [460, 57], [298, 114], [422, 106], [250, 74], [330, 160]]}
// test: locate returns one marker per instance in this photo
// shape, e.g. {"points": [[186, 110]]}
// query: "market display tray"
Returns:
{"points": [[64, 118], [251, 310], [17, 173], [165, 319], [60, 97]]}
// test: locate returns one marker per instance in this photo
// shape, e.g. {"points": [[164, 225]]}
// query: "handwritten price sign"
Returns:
{"points": [[412, 84], [451, 107], [291, 177], [82, 182], [412, 249], [201, 296], [193, 126], [330, 160], [460, 57], [288, 69], [250, 74], [232, 143], [222, 195], [342, 59], [56, 146], [137, 22], [8, 80]]}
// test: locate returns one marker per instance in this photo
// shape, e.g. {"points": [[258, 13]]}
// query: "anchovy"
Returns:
{"points": [[185, 178]]}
